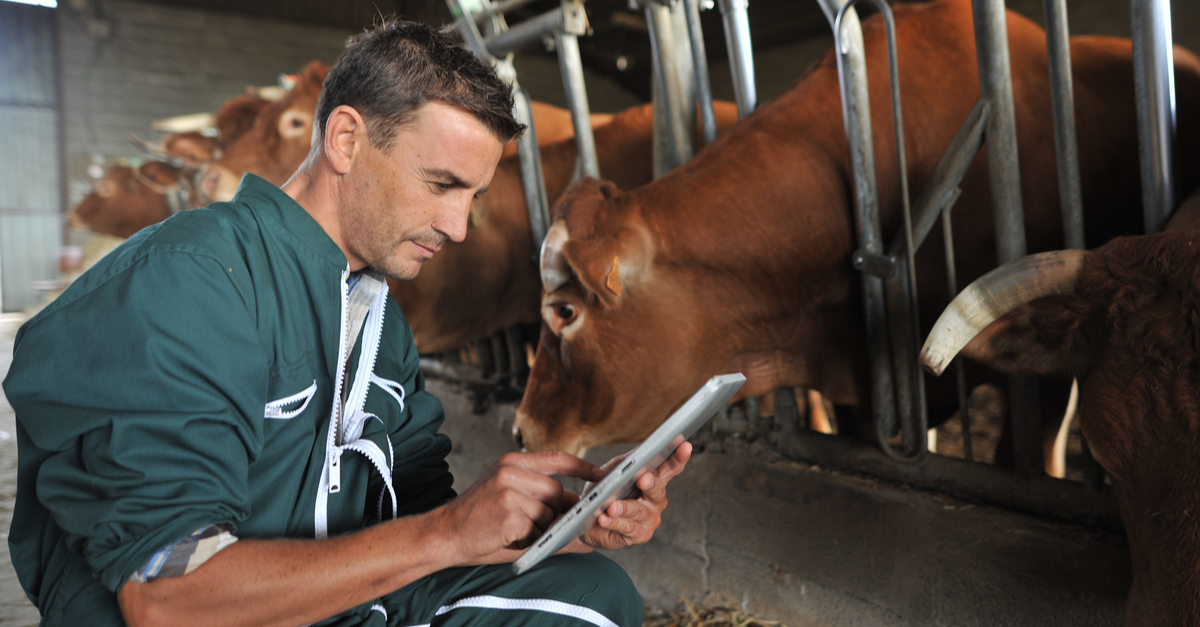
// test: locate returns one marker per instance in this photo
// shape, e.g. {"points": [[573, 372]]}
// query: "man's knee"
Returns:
{"points": [[597, 582]]}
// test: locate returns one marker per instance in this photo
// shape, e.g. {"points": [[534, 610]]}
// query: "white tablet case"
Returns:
{"points": [[702, 406]]}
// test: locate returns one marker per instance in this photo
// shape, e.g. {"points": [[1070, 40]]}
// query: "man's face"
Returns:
{"points": [[402, 205]]}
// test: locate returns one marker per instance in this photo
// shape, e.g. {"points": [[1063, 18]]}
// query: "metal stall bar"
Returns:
{"points": [[672, 88], [1062, 98], [1154, 87], [901, 287], [995, 84], [708, 118], [741, 58], [869, 258], [533, 179], [960, 374], [571, 64]]}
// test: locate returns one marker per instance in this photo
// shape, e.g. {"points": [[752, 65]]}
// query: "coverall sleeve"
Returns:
{"points": [[421, 475], [142, 392]]}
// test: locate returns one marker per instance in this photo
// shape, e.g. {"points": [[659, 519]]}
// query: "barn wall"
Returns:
{"points": [[126, 63], [30, 181]]}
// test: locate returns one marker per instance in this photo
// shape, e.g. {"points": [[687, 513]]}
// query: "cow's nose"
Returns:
{"points": [[518, 439], [208, 184]]}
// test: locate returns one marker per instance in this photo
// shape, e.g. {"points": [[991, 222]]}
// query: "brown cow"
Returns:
{"points": [[128, 200], [1125, 319], [490, 281], [739, 260], [280, 139]]}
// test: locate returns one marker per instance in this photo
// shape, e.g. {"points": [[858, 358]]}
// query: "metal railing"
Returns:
{"points": [[897, 393]]}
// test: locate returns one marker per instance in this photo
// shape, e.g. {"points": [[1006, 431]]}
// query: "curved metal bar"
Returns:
{"points": [[914, 419]]}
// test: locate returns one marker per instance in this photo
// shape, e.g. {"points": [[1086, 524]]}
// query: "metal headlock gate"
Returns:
{"points": [[890, 295], [682, 92]]}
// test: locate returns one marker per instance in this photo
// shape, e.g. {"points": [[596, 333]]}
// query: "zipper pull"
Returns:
{"points": [[335, 471]]}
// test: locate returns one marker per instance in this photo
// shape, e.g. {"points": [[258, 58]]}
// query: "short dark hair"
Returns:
{"points": [[388, 72]]}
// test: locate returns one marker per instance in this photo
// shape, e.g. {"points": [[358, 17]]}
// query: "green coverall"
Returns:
{"points": [[188, 380]]}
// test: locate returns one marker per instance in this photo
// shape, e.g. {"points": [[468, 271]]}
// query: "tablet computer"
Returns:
{"points": [[620, 481]]}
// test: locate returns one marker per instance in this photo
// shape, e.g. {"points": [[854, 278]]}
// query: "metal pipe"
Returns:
{"points": [[995, 84], [1045, 496], [948, 174], [741, 57], [960, 374], [856, 114], [572, 75], [901, 289], [499, 8], [528, 32], [670, 84], [1154, 88], [708, 117], [533, 181], [1062, 98]]}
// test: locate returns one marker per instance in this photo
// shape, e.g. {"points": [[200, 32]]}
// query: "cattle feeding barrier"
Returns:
{"points": [[502, 356], [890, 295]]}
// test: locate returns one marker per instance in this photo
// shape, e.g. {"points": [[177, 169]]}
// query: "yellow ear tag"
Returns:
{"points": [[613, 282]]}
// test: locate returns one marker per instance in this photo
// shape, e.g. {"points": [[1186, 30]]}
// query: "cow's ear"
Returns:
{"points": [[1045, 336], [192, 148], [159, 172], [613, 256], [314, 73]]}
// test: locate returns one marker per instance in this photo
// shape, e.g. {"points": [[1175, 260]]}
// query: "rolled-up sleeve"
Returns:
{"points": [[141, 391]]}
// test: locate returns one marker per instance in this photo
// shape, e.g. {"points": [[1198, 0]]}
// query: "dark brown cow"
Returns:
{"points": [[1125, 319], [739, 261], [280, 138], [490, 281]]}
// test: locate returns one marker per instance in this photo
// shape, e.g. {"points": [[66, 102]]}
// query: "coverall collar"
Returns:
{"points": [[276, 205]]}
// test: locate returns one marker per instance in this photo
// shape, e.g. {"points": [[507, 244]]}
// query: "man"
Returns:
{"points": [[224, 422]]}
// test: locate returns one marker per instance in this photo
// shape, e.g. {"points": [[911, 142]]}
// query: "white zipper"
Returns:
{"points": [[332, 463], [349, 423]]}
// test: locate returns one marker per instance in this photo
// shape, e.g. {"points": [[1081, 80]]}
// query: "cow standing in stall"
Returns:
{"points": [[740, 259], [1125, 320], [127, 199], [490, 282]]}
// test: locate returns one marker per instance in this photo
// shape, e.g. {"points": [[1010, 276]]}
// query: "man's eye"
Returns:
{"points": [[443, 187]]}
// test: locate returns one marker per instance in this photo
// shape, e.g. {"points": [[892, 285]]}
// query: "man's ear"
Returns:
{"points": [[1045, 336], [345, 134]]}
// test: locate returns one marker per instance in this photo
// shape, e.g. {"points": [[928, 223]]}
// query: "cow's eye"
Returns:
{"points": [[566, 313]]}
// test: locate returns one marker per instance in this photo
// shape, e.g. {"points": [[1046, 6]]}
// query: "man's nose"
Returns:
{"points": [[453, 222]]}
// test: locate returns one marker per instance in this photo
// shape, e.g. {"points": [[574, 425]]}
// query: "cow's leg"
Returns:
{"points": [[1053, 396]]}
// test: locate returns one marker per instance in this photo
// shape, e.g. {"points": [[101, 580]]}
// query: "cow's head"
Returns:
{"points": [[127, 200], [277, 142], [619, 345], [1126, 318]]}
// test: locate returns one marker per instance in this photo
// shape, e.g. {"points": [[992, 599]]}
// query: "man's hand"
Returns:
{"points": [[633, 520], [511, 504]]}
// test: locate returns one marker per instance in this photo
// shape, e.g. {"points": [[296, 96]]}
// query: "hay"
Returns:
{"points": [[693, 615]]}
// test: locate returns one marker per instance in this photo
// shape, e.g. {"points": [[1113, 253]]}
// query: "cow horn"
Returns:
{"points": [[995, 294], [185, 123], [555, 272]]}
